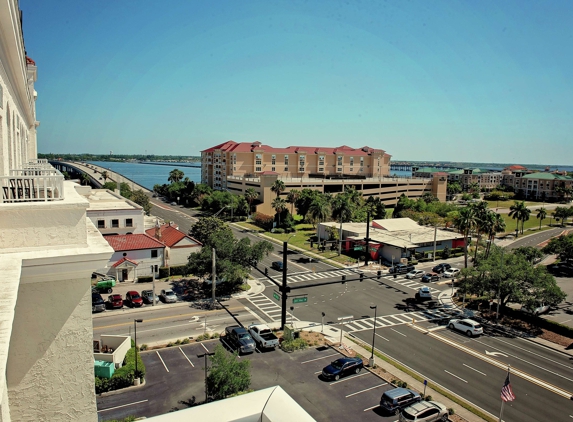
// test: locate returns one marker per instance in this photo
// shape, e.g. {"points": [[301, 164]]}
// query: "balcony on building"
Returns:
{"points": [[35, 181]]}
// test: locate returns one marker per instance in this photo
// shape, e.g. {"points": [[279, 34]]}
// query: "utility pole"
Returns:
{"points": [[435, 236], [153, 285], [284, 286], [367, 240], [340, 239], [499, 288], [214, 278]]}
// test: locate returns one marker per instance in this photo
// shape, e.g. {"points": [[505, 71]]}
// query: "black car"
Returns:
{"points": [[341, 367], [401, 269], [98, 304], [430, 278], [440, 268], [277, 265]]}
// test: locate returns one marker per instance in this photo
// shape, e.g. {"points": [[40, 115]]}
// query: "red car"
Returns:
{"points": [[114, 301], [133, 299]]}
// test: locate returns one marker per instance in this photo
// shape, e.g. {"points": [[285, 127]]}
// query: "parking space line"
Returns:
{"points": [[123, 405], [207, 350], [167, 369], [402, 334], [453, 375], [368, 389], [479, 372], [318, 372], [349, 378], [188, 360], [323, 357], [370, 408]]}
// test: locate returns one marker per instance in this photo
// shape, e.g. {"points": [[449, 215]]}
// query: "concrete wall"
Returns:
{"points": [[120, 346]]}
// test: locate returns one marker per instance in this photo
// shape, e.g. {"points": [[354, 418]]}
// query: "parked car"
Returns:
{"points": [[133, 299], [263, 336], [398, 398], [561, 269], [440, 268], [277, 265], [451, 273], [147, 295], [341, 367], [401, 269], [539, 309], [415, 274], [430, 278], [239, 338], [115, 301], [468, 326], [98, 304], [424, 411], [174, 203], [423, 294], [168, 296]]}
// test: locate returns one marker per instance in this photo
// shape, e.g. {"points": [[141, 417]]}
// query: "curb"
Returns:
{"points": [[123, 390]]}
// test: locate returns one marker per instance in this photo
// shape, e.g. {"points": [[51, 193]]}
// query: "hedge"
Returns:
{"points": [[164, 272], [547, 324], [122, 377], [145, 279]]}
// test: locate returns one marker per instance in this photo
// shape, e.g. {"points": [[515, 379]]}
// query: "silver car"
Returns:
{"points": [[424, 411], [168, 296]]}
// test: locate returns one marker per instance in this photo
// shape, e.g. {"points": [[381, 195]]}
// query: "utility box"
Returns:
{"points": [[104, 369]]}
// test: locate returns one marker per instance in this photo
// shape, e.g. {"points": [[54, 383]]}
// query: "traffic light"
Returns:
{"points": [[379, 274]]}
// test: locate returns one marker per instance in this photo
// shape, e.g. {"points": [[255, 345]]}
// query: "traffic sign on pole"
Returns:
{"points": [[276, 296], [299, 299]]}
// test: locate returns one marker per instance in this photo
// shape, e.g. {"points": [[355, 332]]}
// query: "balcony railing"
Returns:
{"points": [[42, 183]]}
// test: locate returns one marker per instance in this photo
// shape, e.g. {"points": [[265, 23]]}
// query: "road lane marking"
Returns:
{"points": [[533, 353], [453, 375], [473, 369], [350, 378], [123, 405], [323, 357], [382, 337], [495, 354], [399, 332], [370, 408], [318, 372], [167, 369], [368, 389], [191, 363]]}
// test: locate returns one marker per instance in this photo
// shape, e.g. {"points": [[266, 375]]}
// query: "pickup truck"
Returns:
{"points": [[263, 336], [238, 338]]}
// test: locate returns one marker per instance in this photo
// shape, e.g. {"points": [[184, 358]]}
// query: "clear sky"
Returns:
{"points": [[488, 81]]}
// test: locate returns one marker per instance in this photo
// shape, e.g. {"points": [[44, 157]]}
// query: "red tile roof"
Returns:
{"points": [[232, 146], [122, 260], [132, 242], [170, 236]]}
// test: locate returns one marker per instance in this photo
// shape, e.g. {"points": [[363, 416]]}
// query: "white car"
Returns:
{"points": [[423, 294], [168, 296], [538, 310], [468, 326], [415, 274], [451, 273]]}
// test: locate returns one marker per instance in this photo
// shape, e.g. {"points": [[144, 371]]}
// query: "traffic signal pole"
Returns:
{"points": [[283, 288]]}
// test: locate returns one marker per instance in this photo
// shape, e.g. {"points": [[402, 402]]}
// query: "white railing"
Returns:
{"points": [[334, 180], [32, 184]]}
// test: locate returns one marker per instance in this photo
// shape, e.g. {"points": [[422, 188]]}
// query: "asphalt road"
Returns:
{"points": [[535, 239]]}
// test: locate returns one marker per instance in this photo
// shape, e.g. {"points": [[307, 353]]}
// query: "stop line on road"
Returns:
{"points": [[395, 319]]}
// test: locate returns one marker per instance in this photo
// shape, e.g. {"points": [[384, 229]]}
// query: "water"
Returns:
{"points": [[148, 175]]}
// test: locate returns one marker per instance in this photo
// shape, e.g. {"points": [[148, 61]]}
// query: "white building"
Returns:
{"points": [[134, 256], [47, 246], [178, 245]]}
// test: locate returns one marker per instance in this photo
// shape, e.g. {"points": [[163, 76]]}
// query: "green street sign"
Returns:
{"points": [[276, 296], [299, 299]]}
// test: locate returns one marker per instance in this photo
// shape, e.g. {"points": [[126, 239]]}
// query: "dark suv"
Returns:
{"points": [[440, 268], [398, 398], [401, 269]]}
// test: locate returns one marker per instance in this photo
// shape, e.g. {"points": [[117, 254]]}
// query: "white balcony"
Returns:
{"points": [[35, 182]]}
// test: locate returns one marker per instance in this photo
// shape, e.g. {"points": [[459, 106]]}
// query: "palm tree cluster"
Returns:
{"points": [[519, 212]]}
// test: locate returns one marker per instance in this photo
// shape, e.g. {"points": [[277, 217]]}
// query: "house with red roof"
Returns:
{"points": [[178, 245], [135, 255]]}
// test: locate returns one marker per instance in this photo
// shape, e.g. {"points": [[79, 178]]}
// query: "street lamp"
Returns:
{"points": [[322, 329], [371, 362], [204, 355], [284, 288], [137, 378], [292, 316], [153, 285]]}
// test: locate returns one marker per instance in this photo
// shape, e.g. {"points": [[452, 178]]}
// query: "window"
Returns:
{"points": [[286, 168], [101, 224], [258, 159], [258, 169], [154, 253], [115, 223], [286, 160], [273, 159], [339, 169], [339, 160], [361, 161], [351, 169], [321, 169], [273, 169], [128, 222], [351, 161], [301, 169], [321, 160]]}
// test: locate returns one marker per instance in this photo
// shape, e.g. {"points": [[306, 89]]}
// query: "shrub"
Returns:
{"points": [[170, 344], [292, 345], [178, 342], [145, 279], [185, 340], [143, 347], [279, 231], [428, 398], [451, 411], [165, 272], [215, 335], [262, 220], [122, 377]]}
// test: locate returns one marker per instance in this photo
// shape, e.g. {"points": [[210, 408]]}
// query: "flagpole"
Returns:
{"points": [[503, 401]]}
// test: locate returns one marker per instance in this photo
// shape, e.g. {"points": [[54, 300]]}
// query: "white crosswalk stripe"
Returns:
{"points": [[268, 307], [393, 320]]}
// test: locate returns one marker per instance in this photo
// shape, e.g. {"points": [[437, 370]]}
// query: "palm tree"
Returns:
{"points": [[105, 175], [515, 212], [279, 206], [175, 176], [497, 226], [481, 216], [541, 214], [86, 179], [525, 213], [250, 195], [278, 187], [319, 210], [292, 197], [466, 221]]}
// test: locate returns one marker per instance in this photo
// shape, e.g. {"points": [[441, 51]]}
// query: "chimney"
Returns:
{"points": [[158, 235]]}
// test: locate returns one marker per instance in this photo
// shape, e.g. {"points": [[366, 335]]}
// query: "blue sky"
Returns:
{"points": [[485, 81]]}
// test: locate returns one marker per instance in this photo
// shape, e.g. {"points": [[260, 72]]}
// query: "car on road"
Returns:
{"points": [[114, 301], [341, 367], [397, 399], [401, 269], [451, 273], [424, 411], [98, 304], [538, 309], [168, 296], [146, 295], [133, 299], [468, 326], [240, 339], [430, 278], [415, 274], [423, 294], [277, 265], [440, 268]]}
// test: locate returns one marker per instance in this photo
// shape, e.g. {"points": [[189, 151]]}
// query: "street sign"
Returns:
{"points": [[276, 296], [299, 299]]}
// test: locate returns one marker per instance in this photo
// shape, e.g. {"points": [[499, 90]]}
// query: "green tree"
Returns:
{"points": [[482, 222], [453, 188], [227, 374], [250, 195], [562, 246], [279, 205], [497, 226], [516, 212], [206, 226], [541, 214], [112, 186], [530, 253], [292, 197], [125, 190], [140, 198], [278, 187], [319, 211], [105, 175], [466, 222], [86, 179], [175, 176], [307, 196]]}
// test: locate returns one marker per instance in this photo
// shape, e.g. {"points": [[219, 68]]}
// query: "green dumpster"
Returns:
{"points": [[104, 369], [105, 286]]}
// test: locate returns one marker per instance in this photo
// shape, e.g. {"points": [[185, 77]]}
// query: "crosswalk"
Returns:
{"points": [[310, 276], [392, 320], [269, 307]]}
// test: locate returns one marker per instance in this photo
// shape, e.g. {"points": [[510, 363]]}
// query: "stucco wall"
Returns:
{"points": [[50, 363], [4, 405]]}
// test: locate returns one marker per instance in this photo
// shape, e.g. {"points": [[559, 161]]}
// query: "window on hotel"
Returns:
{"points": [[286, 160], [114, 223], [258, 169], [273, 169], [361, 161], [286, 168], [339, 169], [339, 160], [351, 161], [301, 169], [101, 224], [128, 222], [154, 253], [258, 159], [321, 169], [273, 159], [321, 160]]}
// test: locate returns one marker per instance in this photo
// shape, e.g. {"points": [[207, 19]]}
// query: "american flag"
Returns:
{"points": [[506, 391]]}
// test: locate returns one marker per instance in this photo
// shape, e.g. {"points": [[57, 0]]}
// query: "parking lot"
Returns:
{"points": [[175, 380]]}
